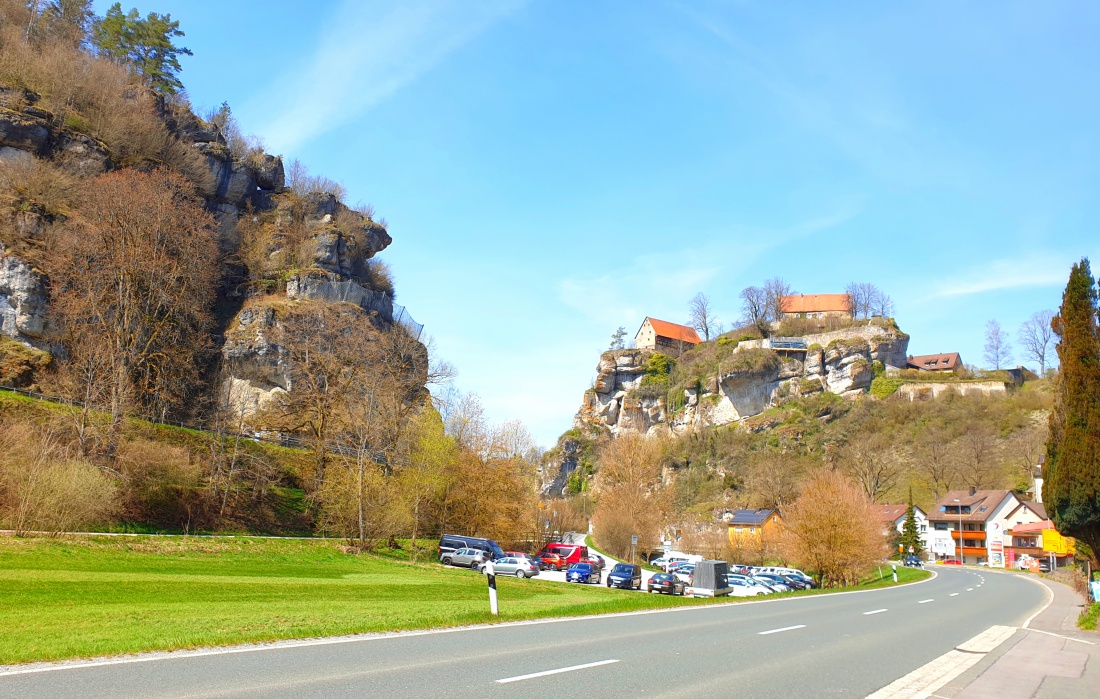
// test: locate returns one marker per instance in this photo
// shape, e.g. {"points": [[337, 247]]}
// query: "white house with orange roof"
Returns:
{"points": [[663, 335]]}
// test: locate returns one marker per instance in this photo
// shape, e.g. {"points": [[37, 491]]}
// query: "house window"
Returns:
{"points": [[752, 530], [738, 529], [941, 526], [923, 528]]}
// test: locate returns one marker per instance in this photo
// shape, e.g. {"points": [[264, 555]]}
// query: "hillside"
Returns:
{"points": [[743, 426]]}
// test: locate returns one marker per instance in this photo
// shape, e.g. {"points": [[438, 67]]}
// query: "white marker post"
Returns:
{"points": [[895, 567], [491, 574]]}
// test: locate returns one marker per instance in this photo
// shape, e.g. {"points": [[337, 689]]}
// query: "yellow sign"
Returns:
{"points": [[1053, 542]]}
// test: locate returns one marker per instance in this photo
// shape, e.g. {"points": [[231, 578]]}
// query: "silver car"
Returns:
{"points": [[513, 565], [464, 558]]}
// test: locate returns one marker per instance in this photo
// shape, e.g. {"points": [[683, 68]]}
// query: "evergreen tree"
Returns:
{"points": [[146, 44], [910, 535], [1071, 488], [617, 339]]}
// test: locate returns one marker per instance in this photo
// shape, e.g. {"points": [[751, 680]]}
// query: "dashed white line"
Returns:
{"points": [[785, 628], [874, 611], [954, 594], [925, 601], [969, 589], [560, 670]]}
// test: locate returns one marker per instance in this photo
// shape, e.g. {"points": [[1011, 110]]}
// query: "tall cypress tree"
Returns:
{"points": [[910, 537], [1071, 486]]}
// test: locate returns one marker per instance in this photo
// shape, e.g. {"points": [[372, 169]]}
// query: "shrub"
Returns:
{"points": [[884, 387]]}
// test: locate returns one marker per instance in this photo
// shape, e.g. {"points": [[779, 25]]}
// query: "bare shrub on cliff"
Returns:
{"points": [[42, 488], [832, 530], [632, 500], [133, 281]]}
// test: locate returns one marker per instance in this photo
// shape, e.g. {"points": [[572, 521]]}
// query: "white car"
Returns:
{"points": [[742, 586], [684, 573]]}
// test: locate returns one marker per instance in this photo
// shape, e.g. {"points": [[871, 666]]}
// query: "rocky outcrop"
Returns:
{"points": [[255, 367], [23, 301], [757, 379], [23, 132]]}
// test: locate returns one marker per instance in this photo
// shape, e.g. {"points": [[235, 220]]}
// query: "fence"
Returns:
{"points": [[351, 292]]}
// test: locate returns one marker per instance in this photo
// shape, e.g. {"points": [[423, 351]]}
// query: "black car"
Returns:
{"points": [[626, 576], [449, 543], [793, 582], [913, 562], [665, 584]]}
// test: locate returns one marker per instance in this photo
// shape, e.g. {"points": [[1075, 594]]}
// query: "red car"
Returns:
{"points": [[551, 561], [952, 562]]}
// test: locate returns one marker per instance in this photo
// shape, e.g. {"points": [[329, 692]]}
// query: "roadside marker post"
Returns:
{"points": [[895, 567], [491, 574]]}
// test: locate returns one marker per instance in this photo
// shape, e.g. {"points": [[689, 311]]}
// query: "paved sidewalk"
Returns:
{"points": [[1050, 659]]}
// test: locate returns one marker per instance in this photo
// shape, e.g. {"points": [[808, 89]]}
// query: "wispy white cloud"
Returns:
{"points": [[366, 54], [1040, 270], [640, 286]]}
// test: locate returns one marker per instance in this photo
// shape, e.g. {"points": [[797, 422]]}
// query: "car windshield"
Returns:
{"points": [[623, 569], [581, 567], [659, 578]]}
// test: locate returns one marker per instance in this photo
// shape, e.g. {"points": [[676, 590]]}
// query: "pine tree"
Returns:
{"points": [[146, 44], [910, 536], [1071, 488]]}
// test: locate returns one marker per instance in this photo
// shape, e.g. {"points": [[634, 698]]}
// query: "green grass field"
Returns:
{"points": [[87, 597]]}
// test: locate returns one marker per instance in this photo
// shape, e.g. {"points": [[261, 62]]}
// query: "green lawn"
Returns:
{"points": [[99, 596], [1089, 616]]}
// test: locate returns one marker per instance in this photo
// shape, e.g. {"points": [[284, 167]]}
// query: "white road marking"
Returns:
{"points": [[874, 611], [924, 681], [925, 601], [785, 628], [969, 589], [954, 594], [560, 670]]}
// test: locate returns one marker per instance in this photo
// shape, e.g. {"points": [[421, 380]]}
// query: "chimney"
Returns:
{"points": [[973, 490]]}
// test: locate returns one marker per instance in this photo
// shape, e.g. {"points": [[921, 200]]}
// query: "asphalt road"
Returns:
{"points": [[845, 645]]}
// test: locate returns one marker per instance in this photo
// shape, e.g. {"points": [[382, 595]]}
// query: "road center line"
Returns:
{"points": [[874, 611], [785, 628], [954, 594], [969, 589], [560, 670], [925, 601]]}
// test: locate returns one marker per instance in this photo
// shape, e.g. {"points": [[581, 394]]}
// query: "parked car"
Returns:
{"points": [[449, 543], [582, 573], [665, 562], [683, 573], [773, 581], [595, 561], [665, 584], [519, 566], [464, 558], [551, 561], [626, 576], [742, 586], [794, 582], [952, 562], [1044, 565], [913, 562]]}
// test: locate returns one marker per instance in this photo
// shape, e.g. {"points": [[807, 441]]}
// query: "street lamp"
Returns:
{"points": [[962, 556]]}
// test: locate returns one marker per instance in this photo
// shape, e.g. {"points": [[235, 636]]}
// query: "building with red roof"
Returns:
{"points": [[663, 335], [817, 306]]}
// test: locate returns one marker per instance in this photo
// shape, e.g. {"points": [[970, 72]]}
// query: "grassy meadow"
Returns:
{"points": [[94, 596]]}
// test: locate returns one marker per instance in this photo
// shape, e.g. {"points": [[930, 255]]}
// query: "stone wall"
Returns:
{"points": [[929, 390]]}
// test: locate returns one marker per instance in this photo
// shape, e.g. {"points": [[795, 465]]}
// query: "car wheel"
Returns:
{"points": [[519, 574], [446, 561]]}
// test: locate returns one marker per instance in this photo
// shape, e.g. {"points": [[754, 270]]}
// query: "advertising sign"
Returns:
{"points": [[943, 545], [996, 545]]}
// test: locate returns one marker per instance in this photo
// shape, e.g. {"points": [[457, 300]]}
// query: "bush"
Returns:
{"points": [[884, 387]]}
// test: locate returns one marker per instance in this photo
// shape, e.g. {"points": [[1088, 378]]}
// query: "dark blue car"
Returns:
{"points": [[582, 573]]}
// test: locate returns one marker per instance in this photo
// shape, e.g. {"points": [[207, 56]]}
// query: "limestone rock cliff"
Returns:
{"points": [[754, 379]]}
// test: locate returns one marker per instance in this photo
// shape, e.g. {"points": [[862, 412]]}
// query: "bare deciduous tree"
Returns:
{"points": [[832, 530], [998, 349], [869, 460], [868, 300], [754, 308], [775, 290], [702, 315], [1036, 337], [632, 501], [134, 282]]}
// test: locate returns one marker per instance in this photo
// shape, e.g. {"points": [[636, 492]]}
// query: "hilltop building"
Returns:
{"points": [[817, 306], [663, 335], [948, 361]]}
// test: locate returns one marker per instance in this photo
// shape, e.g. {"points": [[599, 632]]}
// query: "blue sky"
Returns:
{"points": [[552, 170]]}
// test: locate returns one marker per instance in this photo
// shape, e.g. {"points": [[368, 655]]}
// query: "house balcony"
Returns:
{"points": [[967, 534]]}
